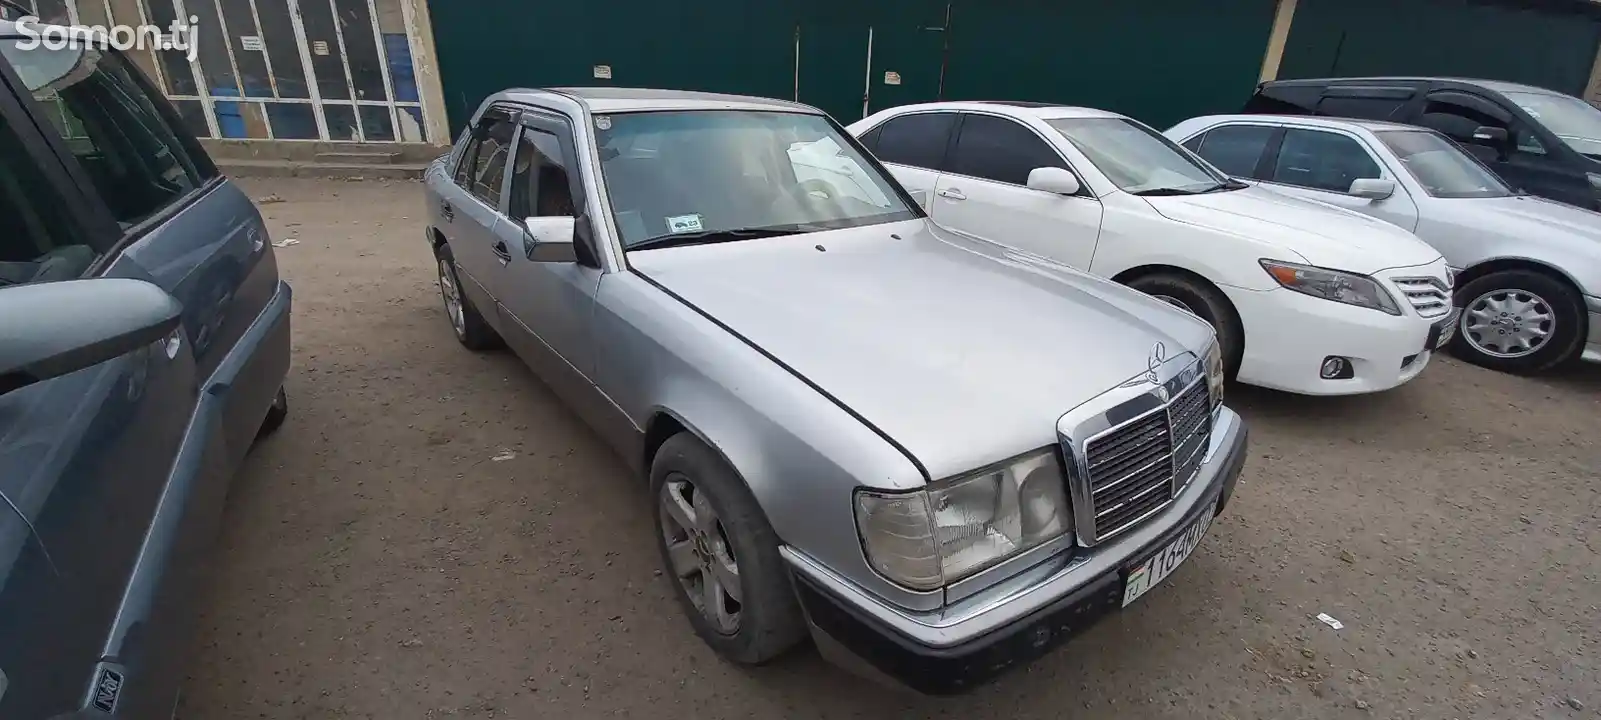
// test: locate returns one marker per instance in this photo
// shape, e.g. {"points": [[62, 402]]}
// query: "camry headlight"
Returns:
{"points": [[952, 529], [1214, 371], [1343, 287]]}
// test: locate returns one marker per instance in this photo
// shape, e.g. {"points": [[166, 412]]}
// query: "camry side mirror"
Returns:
{"points": [[549, 239], [1053, 180], [1372, 188], [57, 328]]}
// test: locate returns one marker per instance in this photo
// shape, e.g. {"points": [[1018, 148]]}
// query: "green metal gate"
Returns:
{"points": [[1550, 47]]}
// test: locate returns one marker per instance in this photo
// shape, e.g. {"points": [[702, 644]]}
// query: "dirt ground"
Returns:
{"points": [[432, 535]]}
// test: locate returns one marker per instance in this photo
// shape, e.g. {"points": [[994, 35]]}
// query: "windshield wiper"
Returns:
{"points": [[709, 237], [1165, 192], [1229, 184]]}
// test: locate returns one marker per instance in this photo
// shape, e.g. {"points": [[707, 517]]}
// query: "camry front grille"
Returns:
{"points": [[1431, 297]]}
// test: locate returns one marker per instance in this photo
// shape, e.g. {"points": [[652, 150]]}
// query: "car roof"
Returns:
{"points": [[625, 99], [1495, 85], [1015, 108], [1317, 121]]}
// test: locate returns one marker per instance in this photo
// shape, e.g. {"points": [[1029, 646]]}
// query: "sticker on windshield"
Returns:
{"points": [[602, 123], [684, 223]]}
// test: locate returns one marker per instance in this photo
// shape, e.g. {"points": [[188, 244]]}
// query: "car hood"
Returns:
{"points": [[1532, 218], [1322, 234], [963, 352]]}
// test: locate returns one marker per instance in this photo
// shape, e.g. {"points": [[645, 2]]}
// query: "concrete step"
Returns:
{"points": [[302, 151], [330, 170], [357, 158]]}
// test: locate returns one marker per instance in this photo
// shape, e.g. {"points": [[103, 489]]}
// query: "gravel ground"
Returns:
{"points": [[432, 535]]}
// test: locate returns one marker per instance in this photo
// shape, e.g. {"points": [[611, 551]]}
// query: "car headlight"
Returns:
{"points": [[1342, 287], [952, 529], [1214, 371]]}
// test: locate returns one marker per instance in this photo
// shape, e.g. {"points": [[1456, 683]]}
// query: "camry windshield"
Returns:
{"points": [[676, 178], [1137, 159], [1441, 167], [1577, 122]]}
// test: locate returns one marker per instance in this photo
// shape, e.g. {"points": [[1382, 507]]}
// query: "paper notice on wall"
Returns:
{"points": [[602, 72], [251, 42], [319, 47], [892, 78]]}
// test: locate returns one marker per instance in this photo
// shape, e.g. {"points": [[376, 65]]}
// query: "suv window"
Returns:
{"points": [[42, 242], [999, 149], [1323, 161], [1234, 149], [112, 122], [1359, 107], [483, 162], [918, 140], [540, 183]]}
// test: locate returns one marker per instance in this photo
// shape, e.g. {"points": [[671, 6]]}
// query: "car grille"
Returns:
{"points": [[1429, 296], [1132, 468]]}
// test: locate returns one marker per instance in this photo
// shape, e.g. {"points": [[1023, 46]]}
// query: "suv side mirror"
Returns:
{"points": [[550, 239], [1053, 180], [1372, 188], [56, 328], [1493, 136]]}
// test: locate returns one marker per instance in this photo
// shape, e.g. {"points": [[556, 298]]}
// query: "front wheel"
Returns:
{"points": [[1200, 299], [722, 555], [1519, 321]]}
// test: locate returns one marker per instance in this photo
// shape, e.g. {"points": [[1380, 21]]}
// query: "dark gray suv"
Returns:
{"points": [[144, 342]]}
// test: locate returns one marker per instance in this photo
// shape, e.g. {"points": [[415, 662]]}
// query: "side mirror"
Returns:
{"points": [[56, 328], [549, 239], [1372, 188], [1493, 136], [1053, 180]]}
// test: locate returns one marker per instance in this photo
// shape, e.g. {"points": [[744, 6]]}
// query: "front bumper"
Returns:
{"points": [[1592, 342], [1289, 334], [1015, 622]]}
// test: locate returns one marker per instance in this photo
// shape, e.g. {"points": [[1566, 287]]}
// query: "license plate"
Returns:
{"points": [[1157, 567], [1440, 333]]}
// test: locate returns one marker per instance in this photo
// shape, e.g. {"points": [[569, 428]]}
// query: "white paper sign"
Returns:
{"points": [[319, 47], [684, 223], [251, 42], [892, 78], [602, 72]]}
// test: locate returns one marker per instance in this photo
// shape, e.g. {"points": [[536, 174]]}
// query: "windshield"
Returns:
{"points": [[1137, 159], [1577, 122], [1441, 167], [706, 172]]}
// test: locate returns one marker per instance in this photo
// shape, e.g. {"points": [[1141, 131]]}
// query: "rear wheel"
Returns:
{"points": [[722, 555], [1199, 298], [470, 328], [275, 414], [1519, 321]]}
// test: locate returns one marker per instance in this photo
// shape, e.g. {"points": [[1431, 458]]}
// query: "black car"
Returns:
{"points": [[1541, 141]]}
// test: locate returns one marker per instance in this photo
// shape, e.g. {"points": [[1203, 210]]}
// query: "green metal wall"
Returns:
{"points": [[1549, 47], [1158, 60]]}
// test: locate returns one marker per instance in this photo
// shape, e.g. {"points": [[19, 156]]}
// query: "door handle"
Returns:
{"points": [[952, 194], [448, 212], [501, 251]]}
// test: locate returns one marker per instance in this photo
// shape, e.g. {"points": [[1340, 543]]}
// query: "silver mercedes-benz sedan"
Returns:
{"points": [[937, 456]]}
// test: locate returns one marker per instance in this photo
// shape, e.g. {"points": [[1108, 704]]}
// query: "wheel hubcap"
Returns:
{"points": [[1508, 323], [452, 296], [699, 553]]}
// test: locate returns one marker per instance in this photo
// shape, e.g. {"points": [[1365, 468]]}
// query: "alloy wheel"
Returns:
{"points": [[452, 295], [1508, 323], [699, 553]]}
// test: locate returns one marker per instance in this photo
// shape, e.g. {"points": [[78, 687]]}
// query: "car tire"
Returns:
{"points": [[1204, 301], [769, 621], [1531, 301], [470, 328], [276, 414]]}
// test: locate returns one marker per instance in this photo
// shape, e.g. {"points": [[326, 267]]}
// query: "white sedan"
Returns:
{"points": [[1306, 297], [1530, 269]]}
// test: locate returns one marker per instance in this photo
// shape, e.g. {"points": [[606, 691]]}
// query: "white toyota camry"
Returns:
{"points": [[1306, 297]]}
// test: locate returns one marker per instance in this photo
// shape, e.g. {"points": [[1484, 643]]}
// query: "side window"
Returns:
{"points": [[999, 149], [917, 140], [470, 141], [1367, 108], [541, 185], [42, 242], [1323, 161], [138, 161], [1194, 144], [1236, 149], [486, 165], [1457, 119], [869, 139]]}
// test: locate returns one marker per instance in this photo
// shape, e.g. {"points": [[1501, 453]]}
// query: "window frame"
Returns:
{"points": [[1067, 164], [1270, 159], [566, 135], [468, 154], [945, 155], [100, 225], [1270, 149]]}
